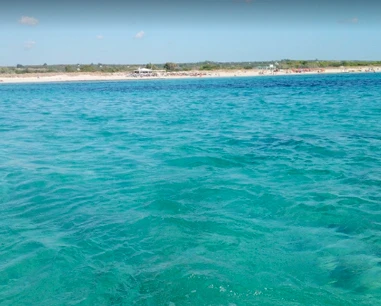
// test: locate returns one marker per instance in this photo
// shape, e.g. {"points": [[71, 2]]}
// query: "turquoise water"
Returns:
{"points": [[236, 191]]}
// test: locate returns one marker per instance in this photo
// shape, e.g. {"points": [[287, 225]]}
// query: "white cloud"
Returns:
{"points": [[99, 36], [353, 20], [31, 21], [29, 44], [139, 34]]}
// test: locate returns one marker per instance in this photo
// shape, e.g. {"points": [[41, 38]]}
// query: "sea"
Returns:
{"points": [[205, 191]]}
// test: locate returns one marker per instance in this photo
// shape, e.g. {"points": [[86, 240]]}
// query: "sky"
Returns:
{"points": [[34, 32]]}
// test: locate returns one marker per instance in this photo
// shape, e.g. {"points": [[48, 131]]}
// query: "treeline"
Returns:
{"points": [[22, 69], [290, 64], [170, 66]]}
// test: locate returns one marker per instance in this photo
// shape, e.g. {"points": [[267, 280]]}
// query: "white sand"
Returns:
{"points": [[96, 76]]}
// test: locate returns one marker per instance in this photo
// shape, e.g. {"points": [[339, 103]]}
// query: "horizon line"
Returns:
{"points": [[205, 61]]}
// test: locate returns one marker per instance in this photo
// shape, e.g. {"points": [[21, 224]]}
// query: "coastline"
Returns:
{"points": [[97, 76]]}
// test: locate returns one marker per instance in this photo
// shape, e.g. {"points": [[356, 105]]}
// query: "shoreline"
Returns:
{"points": [[120, 76]]}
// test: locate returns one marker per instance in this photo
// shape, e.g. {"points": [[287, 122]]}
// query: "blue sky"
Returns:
{"points": [[123, 32]]}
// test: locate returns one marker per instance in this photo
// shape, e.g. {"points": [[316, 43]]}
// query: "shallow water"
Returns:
{"points": [[236, 191]]}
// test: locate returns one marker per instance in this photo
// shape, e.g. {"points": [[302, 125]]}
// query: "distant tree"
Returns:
{"points": [[88, 68], [303, 63], [19, 66], [335, 64], [209, 67], [150, 66], [45, 64], [69, 68], [6, 70], [185, 68], [170, 66]]}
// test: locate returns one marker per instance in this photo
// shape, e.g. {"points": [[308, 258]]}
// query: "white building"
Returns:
{"points": [[143, 71]]}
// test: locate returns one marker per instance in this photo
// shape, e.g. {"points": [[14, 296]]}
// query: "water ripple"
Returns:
{"points": [[238, 191]]}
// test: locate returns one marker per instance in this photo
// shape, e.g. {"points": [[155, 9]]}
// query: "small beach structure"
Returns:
{"points": [[144, 71]]}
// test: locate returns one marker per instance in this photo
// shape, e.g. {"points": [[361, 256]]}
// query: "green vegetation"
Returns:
{"points": [[69, 69], [88, 68], [170, 66], [151, 66], [210, 66], [290, 64]]}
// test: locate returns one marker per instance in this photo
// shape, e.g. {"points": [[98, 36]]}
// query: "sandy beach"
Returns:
{"points": [[97, 76]]}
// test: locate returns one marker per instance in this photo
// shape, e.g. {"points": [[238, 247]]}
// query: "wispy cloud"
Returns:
{"points": [[100, 37], [29, 44], [249, 1], [140, 34], [27, 20], [353, 20]]}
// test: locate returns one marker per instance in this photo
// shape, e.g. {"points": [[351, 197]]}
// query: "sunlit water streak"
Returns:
{"points": [[237, 191]]}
